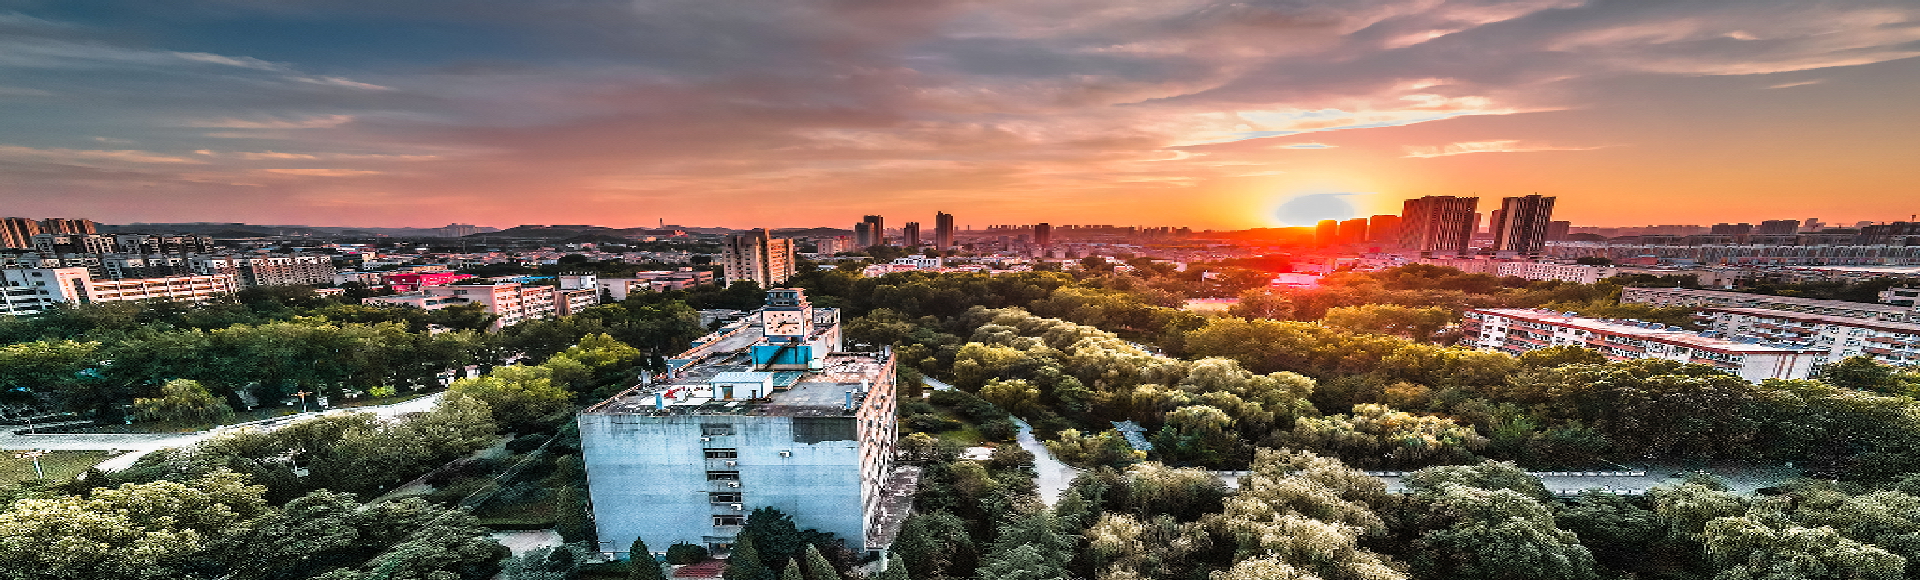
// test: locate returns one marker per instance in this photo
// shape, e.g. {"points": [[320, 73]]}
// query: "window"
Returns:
{"points": [[724, 497], [729, 520], [712, 429], [722, 454], [723, 476]]}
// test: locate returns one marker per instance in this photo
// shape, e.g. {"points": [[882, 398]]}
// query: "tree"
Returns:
{"points": [[792, 571], [640, 562], [570, 515], [894, 568], [181, 399], [744, 562], [1197, 435], [1496, 534], [1741, 547], [151, 530], [1022, 563], [683, 553], [1862, 373], [775, 537], [1419, 324], [1559, 356], [519, 396], [818, 568], [1263, 303]]}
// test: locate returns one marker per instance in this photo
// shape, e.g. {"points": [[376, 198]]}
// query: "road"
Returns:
{"points": [[1051, 476], [140, 444]]}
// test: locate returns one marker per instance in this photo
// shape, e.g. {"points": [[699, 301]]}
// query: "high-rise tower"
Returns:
{"points": [[1438, 223], [943, 231]]}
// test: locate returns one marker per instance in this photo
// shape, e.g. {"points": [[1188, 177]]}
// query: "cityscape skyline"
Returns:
{"points": [[802, 113]]}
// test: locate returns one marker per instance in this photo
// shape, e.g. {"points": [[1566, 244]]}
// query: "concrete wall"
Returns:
{"points": [[647, 477]]}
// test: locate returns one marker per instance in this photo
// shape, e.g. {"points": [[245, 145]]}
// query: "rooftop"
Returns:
{"points": [[821, 393]]}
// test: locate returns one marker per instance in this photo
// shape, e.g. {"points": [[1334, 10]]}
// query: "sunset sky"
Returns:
{"points": [[785, 113]]}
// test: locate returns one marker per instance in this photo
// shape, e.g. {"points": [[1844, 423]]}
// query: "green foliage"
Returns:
{"points": [[521, 397], [640, 562], [1418, 324], [1106, 448], [181, 399], [681, 553], [745, 563], [570, 515]]}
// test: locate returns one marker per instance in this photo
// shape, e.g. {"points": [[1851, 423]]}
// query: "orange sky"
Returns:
{"points": [[813, 113]]}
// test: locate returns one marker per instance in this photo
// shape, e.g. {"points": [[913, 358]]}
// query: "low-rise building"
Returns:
{"points": [[512, 303], [30, 291], [1837, 337], [1670, 297], [1518, 330]]}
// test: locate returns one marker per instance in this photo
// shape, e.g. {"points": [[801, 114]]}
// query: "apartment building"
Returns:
{"points": [[30, 291], [1588, 274], [1721, 299], [1837, 337], [765, 413], [1518, 330], [512, 303]]}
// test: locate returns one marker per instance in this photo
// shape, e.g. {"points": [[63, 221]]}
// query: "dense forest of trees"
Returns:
{"points": [[1300, 388]]}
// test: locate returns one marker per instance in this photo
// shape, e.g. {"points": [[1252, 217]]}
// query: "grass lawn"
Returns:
{"points": [[59, 465], [527, 515]]}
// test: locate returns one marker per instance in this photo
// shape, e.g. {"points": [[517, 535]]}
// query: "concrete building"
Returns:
{"points": [[30, 291], [1383, 229], [73, 244], [570, 302], [764, 413], [1521, 225], [942, 231], [67, 226], [1042, 234], [1714, 298], [18, 232], [758, 257], [911, 232], [1837, 337], [1438, 223], [1778, 227], [1353, 231], [1588, 274], [512, 303], [1518, 330], [876, 229]]}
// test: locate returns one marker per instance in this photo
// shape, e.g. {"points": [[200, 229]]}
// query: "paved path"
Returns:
{"points": [[140, 444], [937, 384], [1052, 476]]}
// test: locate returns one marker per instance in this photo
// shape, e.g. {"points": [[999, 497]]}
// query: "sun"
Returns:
{"points": [[1310, 208]]}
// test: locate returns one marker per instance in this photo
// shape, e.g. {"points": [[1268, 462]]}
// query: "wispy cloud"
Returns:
{"points": [[57, 155], [324, 172], [307, 122], [1797, 84], [1501, 146]]}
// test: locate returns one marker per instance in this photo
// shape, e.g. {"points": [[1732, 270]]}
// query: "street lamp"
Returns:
{"points": [[38, 473], [303, 400]]}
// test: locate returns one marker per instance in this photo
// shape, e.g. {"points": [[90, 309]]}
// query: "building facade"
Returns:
{"points": [[1837, 337], [758, 257], [1518, 330], [1522, 224], [1438, 223], [1670, 297], [512, 303], [942, 231], [31, 291], [764, 413]]}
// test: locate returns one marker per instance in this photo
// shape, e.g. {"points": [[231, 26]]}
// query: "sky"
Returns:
{"points": [[796, 113]]}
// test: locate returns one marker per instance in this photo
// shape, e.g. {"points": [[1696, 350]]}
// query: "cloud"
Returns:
{"points": [[324, 172], [306, 122], [1501, 146], [1310, 145], [1796, 84], [60, 155]]}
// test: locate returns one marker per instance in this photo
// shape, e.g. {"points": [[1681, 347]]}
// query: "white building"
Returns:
{"points": [[513, 303], [1703, 298], [1518, 330], [1837, 337], [760, 415], [31, 291]]}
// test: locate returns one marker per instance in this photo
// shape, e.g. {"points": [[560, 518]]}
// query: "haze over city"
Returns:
{"points": [[795, 114]]}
